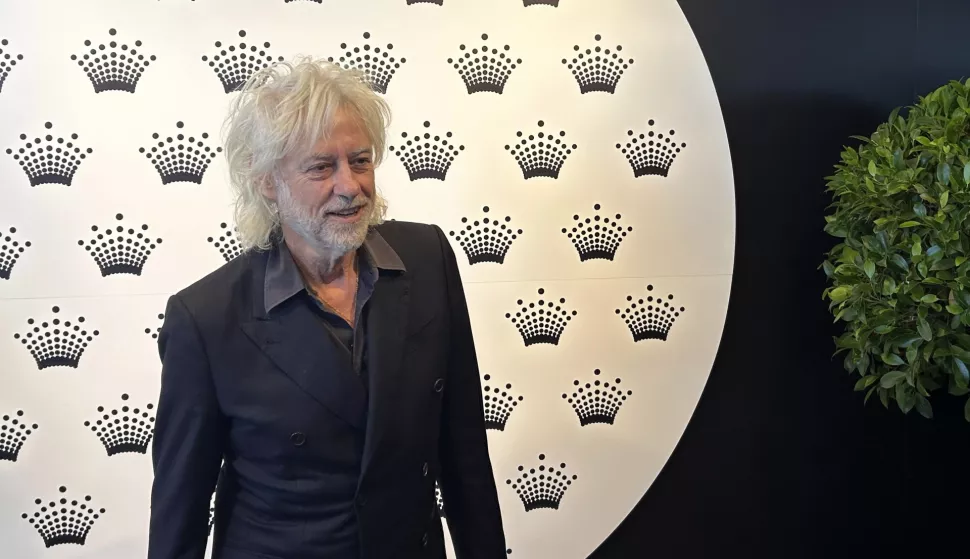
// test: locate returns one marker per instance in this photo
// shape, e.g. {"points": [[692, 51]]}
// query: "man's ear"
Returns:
{"points": [[267, 186]]}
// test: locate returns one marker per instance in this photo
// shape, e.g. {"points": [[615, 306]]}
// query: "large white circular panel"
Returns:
{"points": [[574, 152]]}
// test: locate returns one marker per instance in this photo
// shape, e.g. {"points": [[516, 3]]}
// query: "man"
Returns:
{"points": [[331, 368]]}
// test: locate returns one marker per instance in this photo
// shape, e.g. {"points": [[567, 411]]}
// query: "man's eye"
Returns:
{"points": [[362, 161], [319, 168]]}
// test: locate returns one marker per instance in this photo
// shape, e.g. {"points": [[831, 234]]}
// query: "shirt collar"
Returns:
{"points": [[283, 279]]}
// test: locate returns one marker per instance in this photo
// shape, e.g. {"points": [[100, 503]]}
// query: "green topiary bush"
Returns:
{"points": [[900, 277]]}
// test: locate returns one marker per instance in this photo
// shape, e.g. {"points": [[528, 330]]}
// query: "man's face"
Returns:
{"points": [[327, 196]]}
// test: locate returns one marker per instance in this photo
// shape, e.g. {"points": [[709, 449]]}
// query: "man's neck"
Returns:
{"points": [[319, 266]]}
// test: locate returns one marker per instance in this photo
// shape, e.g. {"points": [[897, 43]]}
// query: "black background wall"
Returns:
{"points": [[781, 459]]}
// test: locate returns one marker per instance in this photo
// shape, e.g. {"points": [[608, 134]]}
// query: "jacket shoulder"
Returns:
{"points": [[412, 241], [220, 287]]}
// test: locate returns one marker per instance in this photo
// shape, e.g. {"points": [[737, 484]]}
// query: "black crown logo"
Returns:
{"points": [[541, 322], [553, 3], [377, 64], [154, 333], [62, 521], [596, 237], [438, 500], [56, 343], [124, 430], [597, 69], [652, 153], [542, 487], [13, 435], [10, 252], [235, 64], [227, 245], [436, 2], [486, 240], [49, 161], [180, 159], [426, 156], [287, 2], [483, 68], [113, 67], [597, 401], [650, 319], [541, 154], [117, 250], [7, 61], [499, 404]]}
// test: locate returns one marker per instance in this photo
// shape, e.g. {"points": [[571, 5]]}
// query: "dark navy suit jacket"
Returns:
{"points": [[317, 464]]}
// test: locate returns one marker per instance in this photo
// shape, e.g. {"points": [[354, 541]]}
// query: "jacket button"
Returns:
{"points": [[424, 470], [298, 438], [424, 540], [439, 385]]}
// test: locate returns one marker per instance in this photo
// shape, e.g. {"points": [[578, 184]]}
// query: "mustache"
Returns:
{"points": [[352, 205]]}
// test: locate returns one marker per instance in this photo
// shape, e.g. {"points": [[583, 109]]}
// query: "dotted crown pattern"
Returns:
{"points": [[484, 68], [596, 237], [597, 69], [597, 401], [541, 154], [486, 239], [13, 434], [435, 2], [427, 156], [226, 243], [118, 250], [234, 64], [650, 319], [124, 430], [113, 67], [553, 3], [56, 343], [180, 159], [438, 500], [49, 160], [499, 404], [10, 251], [376, 63], [7, 61], [542, 321], [652, 153], [64, 521], [542, 487], [153, 332]]}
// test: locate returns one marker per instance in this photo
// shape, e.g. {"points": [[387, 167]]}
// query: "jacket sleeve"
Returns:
{"points": [[187, 446], [466, 478]]}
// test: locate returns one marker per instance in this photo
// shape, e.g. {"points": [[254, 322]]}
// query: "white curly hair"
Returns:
{"points": [[284, 110]]}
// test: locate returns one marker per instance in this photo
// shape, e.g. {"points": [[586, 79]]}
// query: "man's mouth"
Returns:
{"points": [[349, 212]]}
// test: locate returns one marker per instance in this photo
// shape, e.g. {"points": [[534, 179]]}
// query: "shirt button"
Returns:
{"points": [[298, 438], [424, 469], [439, 385]]}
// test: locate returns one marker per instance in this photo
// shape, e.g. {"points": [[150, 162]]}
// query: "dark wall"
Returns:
{"points": [[781, 459]]}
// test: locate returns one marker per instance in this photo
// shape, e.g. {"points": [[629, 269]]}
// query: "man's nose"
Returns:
{"points": [[345, 182]]}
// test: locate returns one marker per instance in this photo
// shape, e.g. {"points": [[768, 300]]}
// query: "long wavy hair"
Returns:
{"points": [[284, 110]]}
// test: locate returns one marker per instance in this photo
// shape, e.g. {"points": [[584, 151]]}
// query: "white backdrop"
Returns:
{"points": [[592, 75]]}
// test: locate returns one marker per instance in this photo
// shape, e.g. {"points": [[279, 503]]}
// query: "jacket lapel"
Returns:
{"points": [[300, 346], [387, 322]]}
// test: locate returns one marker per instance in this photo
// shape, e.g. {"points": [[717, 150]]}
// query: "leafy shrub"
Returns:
{"points": [[900, 277]]}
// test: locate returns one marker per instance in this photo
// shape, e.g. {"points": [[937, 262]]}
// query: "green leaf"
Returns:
{"points": [[908, 224], [828, 268], [944, 199], [905, 397], [960, 259], [954, 308], [966, 174], [892, 378], [917, 248], [888, 286], [943, 173], [923, 406], [872, 168], [884, 398], [883, 329], [924, 329], [865, 382], [870, 268], [892, 359], [839, 294], [900, 262], [919, 209], [962, 378], [929, 298]]}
